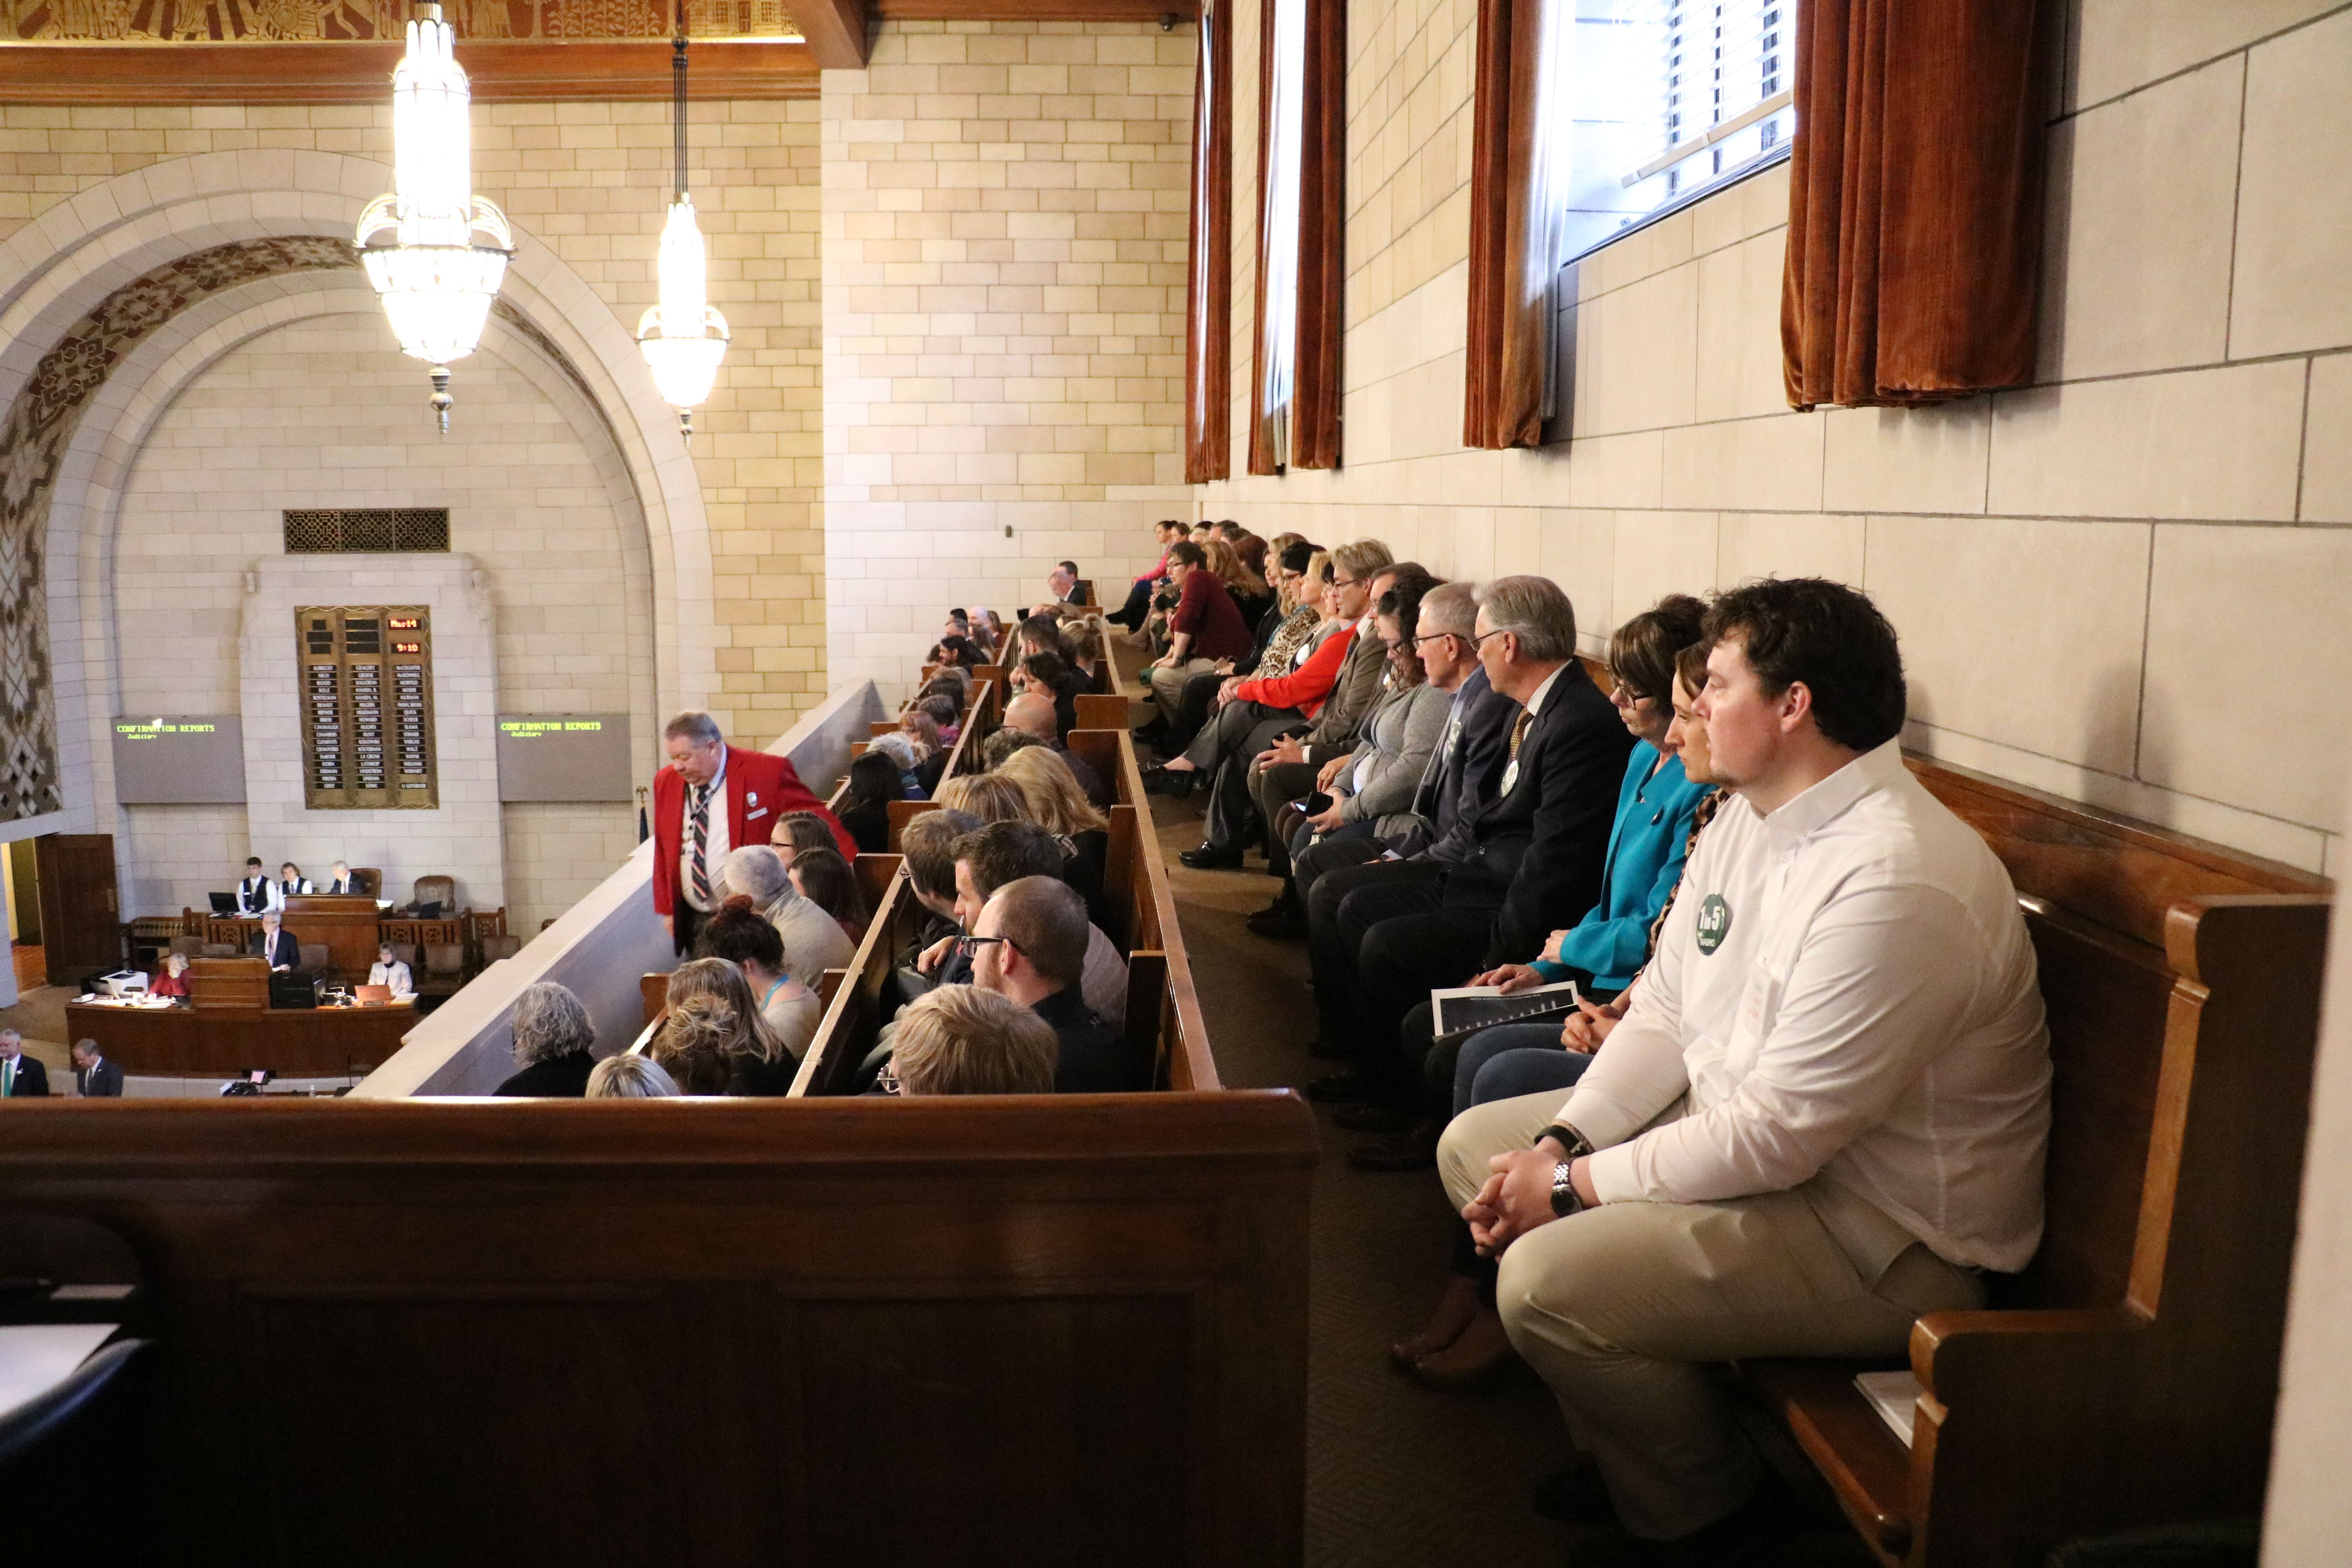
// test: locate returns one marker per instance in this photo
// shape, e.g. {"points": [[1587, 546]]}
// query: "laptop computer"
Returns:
{"points": [[429, 910], [224, 903], [373, 996]]}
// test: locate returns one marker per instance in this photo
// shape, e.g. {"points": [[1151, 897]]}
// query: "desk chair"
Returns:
{"points": [[316, 956], [442, 890]]}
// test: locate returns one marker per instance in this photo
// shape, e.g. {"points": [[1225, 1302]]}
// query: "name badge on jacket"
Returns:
{"points": [[753, 799], [1511, 776]]}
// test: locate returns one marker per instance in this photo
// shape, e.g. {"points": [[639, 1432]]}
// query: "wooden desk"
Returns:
{"points": [[292, 1042], [344, 925]]}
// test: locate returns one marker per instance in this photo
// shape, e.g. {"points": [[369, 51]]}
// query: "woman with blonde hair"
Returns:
{"points": [[628, 1076], [724, 1017], [992, 797], [1057, 804]]}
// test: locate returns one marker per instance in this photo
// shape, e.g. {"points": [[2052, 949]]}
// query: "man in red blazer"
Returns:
{"points": [[714, 798]]}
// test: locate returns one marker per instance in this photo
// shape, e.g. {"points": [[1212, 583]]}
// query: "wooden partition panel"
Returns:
{"points": [[957, 1331]]}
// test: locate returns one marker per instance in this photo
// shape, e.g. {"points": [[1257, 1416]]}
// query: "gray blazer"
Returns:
{"points": [[1339, 722], [1399, 740]]}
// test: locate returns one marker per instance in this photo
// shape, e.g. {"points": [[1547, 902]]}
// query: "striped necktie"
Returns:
{"points": [[702, 872]]}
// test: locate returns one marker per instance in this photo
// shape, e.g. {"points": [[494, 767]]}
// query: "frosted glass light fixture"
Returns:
{"points": [[435, 279], [683, 338]]}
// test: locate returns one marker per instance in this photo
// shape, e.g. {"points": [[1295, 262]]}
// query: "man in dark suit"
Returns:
{"points": [[712, 799], [1460, 781], [277, 944], [21, 1077], [95, 1077], [342, 883], [1535, 852]]}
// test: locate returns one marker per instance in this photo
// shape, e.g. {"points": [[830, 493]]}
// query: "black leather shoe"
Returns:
{"points": [[1176, 783], [1283, 921], [1209, 858], [1371, 1118], [1346, 1087]]}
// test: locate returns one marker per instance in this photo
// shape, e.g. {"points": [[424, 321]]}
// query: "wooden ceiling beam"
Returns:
{"points": [[837, 31], [1037, 10], [503, 71]]}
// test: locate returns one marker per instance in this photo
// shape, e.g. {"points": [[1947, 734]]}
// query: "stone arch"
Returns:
{"points": [[59, 269], [93, 471]]}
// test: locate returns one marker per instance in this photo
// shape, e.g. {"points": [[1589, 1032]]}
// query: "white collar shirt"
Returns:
{"points": [[715, 844], [1533, 704], [1844, 990]]}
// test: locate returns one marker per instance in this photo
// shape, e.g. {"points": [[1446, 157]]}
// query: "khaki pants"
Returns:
{"points": [[1621, 1309], [1167, 684]]}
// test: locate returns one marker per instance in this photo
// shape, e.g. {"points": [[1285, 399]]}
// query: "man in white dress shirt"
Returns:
{"points": [[1825, 1112], [292, 884], [257, 895]]}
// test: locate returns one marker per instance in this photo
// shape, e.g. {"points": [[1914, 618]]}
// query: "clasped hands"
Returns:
{"points": [[1516, 1197], [1285, 749]]}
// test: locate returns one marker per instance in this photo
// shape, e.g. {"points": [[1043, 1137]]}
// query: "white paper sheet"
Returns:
{"points": [[37, 1357]]}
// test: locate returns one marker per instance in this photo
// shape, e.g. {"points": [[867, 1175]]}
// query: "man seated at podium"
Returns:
{"points": [[278, 945], [257, 895], [292, 883], [342, 884], [389, 972]]}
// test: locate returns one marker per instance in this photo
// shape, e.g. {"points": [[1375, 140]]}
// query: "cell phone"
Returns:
{"points": [[1315, 804]]}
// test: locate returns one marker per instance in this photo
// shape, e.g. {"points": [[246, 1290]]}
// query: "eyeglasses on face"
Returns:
{"points": [[1479, 641], [970, 946]]}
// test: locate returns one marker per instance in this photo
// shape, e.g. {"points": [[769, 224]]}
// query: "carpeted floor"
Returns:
{"points": [[39, 1015], [1396, 1474]]}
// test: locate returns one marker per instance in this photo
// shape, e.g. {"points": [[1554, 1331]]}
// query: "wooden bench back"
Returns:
{"points": [[2104, 897]]}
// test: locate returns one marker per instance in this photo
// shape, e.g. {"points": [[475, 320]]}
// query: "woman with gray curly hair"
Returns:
{"points": [[553, 1038]]}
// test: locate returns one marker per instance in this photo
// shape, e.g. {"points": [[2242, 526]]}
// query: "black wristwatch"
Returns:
{"points": [[1564, 1200], [1577, 1144]]}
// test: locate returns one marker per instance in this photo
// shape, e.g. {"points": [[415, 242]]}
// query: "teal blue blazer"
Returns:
{"points": [[1646, 848]]}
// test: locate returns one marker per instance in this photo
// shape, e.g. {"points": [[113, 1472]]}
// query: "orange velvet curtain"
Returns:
{"points": [[1503, 399], [1915, 201], [1315, 395], [1209, 285]]}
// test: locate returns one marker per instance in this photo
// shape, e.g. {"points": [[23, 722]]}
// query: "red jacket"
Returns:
{"points": [[1305, 687], [762, 791]]}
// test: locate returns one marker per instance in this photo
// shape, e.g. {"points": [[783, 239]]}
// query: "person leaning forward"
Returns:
{"points": [[1825, 1109], [710, 799]]}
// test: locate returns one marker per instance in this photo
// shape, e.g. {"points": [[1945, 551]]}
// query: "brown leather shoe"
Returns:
{"points": [[1414, 1149], [1473, 1363]]}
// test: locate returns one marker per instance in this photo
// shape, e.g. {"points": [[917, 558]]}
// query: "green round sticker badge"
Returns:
{"points": [[1714, 922]]}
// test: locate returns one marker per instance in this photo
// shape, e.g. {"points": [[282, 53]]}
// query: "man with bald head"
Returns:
{"points": [[1033, 713]]}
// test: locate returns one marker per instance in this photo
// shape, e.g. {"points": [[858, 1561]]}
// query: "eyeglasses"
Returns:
{"points": [[887, 1081], [1482, 636], [970, 946], [1431, 636], [1339, 581]]}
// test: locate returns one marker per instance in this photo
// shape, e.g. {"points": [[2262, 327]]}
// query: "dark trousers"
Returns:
{"points": [[1139, 605], [1232, 815], [686, 920], [1191, 712], [1309, 864], [1402, 959], [1271, 792], [1332, 955]]}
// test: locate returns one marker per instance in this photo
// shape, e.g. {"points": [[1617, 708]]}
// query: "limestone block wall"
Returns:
{"points": [[590, 181], [2093, 576], [1005, 241], [458, 837], [321, 414]]}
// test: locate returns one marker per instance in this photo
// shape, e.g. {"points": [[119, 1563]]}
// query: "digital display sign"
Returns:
{"points": [[556, 757], [195, 761]]}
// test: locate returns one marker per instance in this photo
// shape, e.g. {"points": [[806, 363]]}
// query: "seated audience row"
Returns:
{"points": [[1801, 1095]]}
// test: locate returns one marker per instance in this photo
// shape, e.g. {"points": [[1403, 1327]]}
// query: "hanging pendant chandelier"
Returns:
{"points": [[418, 244], [683, 338]]}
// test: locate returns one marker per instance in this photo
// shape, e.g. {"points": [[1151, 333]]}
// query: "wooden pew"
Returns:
{"points": [[1062, 1332], [2129, 1375]]}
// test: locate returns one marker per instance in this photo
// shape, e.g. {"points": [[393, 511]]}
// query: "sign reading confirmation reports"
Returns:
{"points": [[179, 761], [564, 756]]}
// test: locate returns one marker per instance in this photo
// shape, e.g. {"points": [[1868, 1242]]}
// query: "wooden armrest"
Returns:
{"points": [[1866, 1465], [1956, 1354]]}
